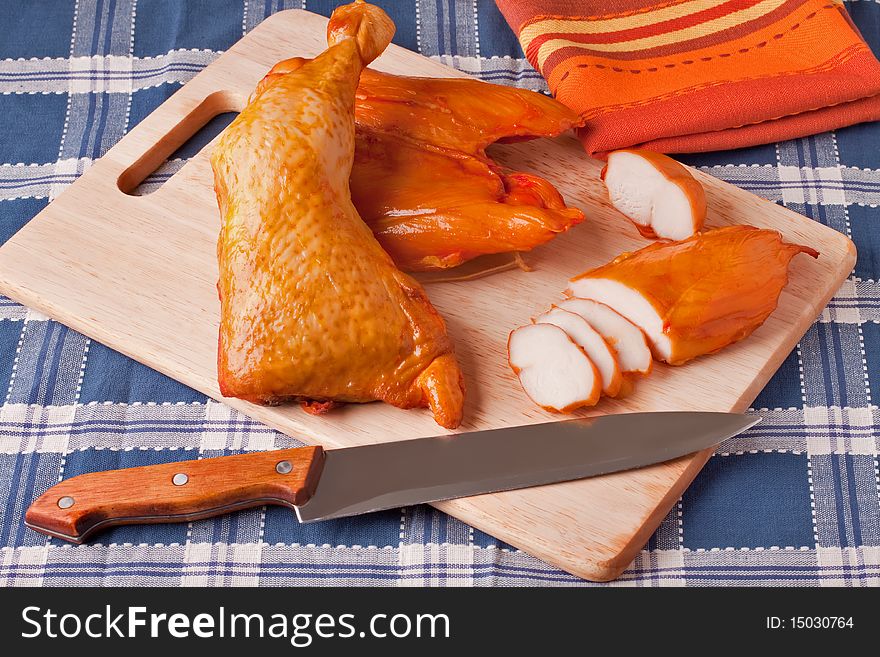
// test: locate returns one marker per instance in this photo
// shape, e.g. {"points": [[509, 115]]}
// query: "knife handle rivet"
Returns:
{"points": [[65, 502], [284, 467], [179, 479]]}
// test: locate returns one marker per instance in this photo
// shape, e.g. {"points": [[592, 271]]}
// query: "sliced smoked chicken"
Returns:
{"points": [[698, 295], [312, 308], [627, 339], [594, 346], [421, 176], [658, 194], [555, 372]]}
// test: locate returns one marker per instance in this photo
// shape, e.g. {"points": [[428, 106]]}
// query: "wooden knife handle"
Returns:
{"points": [[175, 492]]}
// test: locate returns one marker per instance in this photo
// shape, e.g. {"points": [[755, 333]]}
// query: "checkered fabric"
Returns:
{"points": [[793, 501]]}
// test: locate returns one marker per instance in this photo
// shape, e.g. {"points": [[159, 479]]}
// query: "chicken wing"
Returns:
{"points": [[312, 308], [421, 176]]}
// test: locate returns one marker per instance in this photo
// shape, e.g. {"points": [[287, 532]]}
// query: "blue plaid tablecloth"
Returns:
{"points": [[794, 501]]}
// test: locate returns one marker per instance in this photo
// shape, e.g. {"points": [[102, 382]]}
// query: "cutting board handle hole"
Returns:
{"points": [[189, 136]]}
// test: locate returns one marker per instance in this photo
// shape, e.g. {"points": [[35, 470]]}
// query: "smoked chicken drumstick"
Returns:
{"points": [[312, 308]]}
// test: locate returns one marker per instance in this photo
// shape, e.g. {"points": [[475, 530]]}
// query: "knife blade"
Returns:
{"points": [[321, 484]]}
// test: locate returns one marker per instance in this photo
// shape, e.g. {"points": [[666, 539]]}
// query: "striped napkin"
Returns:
{"points": [[699, 75]]}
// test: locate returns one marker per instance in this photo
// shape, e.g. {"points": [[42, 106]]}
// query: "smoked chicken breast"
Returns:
{"points": [[698, 295], [312, 308], [422, 180]]}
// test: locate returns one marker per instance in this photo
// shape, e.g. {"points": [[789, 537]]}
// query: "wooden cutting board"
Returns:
{"points": [[138, 274]]}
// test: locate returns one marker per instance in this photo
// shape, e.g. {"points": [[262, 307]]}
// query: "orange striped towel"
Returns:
{"points": [[698, 75]]}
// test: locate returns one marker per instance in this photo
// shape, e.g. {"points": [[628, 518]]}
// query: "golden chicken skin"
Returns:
{"points": [[696, 296], [422, 180], [312, 308]]}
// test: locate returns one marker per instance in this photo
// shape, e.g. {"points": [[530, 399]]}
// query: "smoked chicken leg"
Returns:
{"points": [[312, 308], [422, 180]]}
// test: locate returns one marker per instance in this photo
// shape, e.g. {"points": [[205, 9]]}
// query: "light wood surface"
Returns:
{"points": [[138, 274]]}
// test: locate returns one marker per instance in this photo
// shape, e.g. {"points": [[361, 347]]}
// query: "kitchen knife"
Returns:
{"points": [[321, 484]]}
